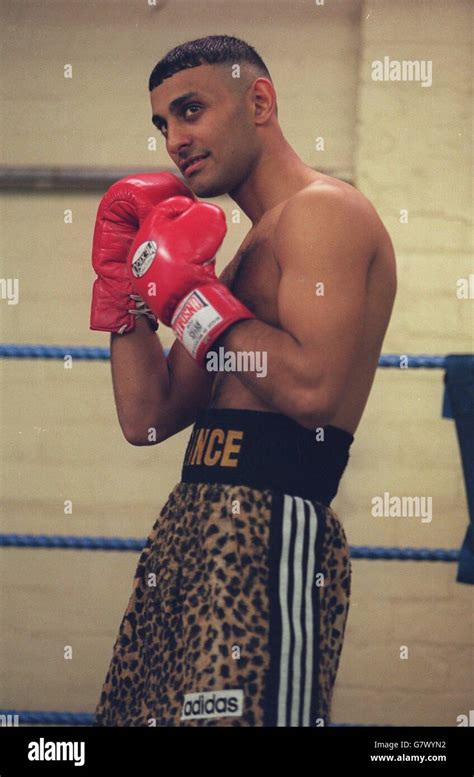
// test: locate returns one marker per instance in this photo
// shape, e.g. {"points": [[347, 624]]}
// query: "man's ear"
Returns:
{"points": [[264, 99]]}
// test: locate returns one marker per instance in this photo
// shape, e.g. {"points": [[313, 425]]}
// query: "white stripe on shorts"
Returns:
{"points": [[291, 569]]}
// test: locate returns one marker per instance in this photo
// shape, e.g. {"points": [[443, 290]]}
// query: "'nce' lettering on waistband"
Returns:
{"points": [[216, 447]]}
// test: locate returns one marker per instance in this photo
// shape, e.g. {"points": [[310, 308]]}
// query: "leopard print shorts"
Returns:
{"points": [[237, 613]]}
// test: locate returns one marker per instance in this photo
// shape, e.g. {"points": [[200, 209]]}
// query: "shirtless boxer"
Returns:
{"points": [[241, 594]]}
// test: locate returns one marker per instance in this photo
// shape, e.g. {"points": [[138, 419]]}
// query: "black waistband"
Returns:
{"points": [[266, 450]]}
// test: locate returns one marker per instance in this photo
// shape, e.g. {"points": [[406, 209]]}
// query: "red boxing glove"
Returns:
{"points": [[122, 209], [172, 263]]}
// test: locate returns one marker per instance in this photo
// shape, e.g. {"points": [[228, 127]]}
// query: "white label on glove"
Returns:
{"points": [[143, 257], [193, 320]]}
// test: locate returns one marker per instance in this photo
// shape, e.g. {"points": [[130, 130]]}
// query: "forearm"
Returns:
{"points": [[286, 385], [140, 379]]}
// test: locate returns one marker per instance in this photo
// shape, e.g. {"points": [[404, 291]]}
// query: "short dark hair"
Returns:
{"points": [[215, 49]]}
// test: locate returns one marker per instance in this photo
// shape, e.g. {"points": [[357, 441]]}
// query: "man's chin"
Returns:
{"points": [[205, 189]]}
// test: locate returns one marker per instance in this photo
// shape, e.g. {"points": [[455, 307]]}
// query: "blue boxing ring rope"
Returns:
{"points": [[130, 543], [121, 544], [9, 351]]}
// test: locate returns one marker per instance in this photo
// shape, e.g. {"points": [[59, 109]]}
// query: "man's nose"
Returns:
{"points": [[177, 139]]}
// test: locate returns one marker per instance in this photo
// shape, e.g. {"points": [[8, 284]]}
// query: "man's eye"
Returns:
{"points": [[190, 105], [163, 128]]}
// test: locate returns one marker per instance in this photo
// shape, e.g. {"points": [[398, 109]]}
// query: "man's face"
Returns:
{"points": [[200, 111]]}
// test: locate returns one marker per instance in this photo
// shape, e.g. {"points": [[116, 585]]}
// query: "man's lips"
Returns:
{"points": [[190, 164]]}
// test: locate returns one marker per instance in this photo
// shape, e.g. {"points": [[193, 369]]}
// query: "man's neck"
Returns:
{"points": [[279, 174]]}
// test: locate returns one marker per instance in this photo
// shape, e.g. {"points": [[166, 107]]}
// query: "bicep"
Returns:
{"points": [[322, 292]]}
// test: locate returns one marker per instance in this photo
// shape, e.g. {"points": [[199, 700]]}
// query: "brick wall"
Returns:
{"points": [[406, 147]]}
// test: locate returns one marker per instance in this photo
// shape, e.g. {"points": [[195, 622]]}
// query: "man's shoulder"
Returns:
{"points": [[329, 205], [330, 194]]}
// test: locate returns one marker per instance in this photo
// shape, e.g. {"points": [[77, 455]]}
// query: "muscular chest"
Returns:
{"points": [[253, 276]]}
